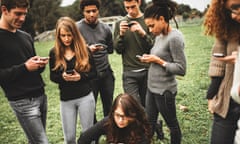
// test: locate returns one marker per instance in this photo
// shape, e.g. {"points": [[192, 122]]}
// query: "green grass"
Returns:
{"points": [[195, 123]]}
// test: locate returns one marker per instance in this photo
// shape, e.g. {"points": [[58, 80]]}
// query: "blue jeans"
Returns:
{"points": [[165, 104], [85, 107], [31, 114], [224, 129], [135, 84]]}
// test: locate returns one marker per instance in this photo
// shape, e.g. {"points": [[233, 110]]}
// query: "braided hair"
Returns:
{"points": [[165, 8]]}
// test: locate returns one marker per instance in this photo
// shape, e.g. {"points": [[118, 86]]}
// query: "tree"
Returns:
{"points": [[112, 8], [72, 11], [44, 14], [182, 8]]}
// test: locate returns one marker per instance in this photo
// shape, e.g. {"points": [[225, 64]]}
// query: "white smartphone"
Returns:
{"points": [[44, 58], [138, 56], [100, 44], [218, 55]]}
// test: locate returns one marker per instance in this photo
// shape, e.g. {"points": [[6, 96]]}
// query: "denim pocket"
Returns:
{"points": [[25, 107]]}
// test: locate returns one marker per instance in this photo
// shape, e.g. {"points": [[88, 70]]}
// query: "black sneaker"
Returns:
{"points": [[159, 130]]}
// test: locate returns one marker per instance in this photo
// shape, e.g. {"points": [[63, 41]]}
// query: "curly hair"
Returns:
{"points": [[84, 3], [218, 22], [133, 133]]}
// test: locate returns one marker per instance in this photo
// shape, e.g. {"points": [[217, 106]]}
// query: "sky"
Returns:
{"points": [[198, 4]]}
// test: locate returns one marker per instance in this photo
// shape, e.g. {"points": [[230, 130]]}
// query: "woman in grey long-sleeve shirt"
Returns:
{"points": [[166, 59]]}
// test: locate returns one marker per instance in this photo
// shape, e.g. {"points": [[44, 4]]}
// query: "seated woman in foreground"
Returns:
{"points": [[126, 123]]}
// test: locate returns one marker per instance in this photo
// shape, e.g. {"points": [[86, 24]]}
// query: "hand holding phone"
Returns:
{"points": [[42, 61], [130, 24], [100, 45], [70, 71], [138, 56], [44, 58]]}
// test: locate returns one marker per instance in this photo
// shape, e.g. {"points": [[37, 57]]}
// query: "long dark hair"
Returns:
{"points": [[165, 8], [137, 128]]}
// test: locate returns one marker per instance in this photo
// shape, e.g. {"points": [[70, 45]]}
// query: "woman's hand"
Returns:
{"points": [[148, 58], [210, 104], [230, 58], [71, 77]]}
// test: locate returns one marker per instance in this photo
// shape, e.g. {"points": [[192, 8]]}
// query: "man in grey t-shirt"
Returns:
{"points": [[99, 39]]}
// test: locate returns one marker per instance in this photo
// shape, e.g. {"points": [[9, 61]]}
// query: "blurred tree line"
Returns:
{"points": [[43, 14]]}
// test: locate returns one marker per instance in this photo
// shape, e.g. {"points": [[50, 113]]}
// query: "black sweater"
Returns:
{"points": [[70, 90], [99, 129], [16, 81]]}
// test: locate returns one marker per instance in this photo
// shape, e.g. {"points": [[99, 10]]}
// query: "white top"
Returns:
{"points": [[236, 79]]}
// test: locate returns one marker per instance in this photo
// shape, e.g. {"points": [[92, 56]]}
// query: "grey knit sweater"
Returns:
{"points": [[170, 48], [219, 68]]}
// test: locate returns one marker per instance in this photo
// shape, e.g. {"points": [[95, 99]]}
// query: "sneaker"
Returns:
{"points": [[159, 130]]}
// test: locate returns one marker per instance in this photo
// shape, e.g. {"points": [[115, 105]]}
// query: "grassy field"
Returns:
{"points": [[195, 123]]}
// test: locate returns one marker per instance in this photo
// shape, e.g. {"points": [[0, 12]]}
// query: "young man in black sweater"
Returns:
{"points": [[20, 70]]}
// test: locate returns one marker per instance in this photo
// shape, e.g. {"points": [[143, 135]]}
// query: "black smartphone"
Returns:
{"points": [[218, 55], [130, 24], [100, 46], [70, 71]]}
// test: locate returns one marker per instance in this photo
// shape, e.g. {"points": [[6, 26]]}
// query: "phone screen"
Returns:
{"points": [[138, 56], [100, 44], [69, 71], [218, 54], [43, 58]]}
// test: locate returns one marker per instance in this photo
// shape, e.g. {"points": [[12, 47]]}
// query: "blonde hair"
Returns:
{"points": [[78, 46]]}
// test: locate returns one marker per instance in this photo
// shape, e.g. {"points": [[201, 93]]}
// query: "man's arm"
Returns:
{"points": [[118, 40]]}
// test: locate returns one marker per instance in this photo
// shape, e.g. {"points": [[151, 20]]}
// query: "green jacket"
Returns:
{"points": [[132, 44]]}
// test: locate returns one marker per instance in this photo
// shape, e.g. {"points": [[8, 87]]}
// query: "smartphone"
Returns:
{"points": [[70, 71], [138, 56], [44, 58], [130, 24], [100, 44], [218, 55]]}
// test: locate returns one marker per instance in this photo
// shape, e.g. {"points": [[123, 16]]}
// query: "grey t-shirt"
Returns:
{"points": [[99, 34]]}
